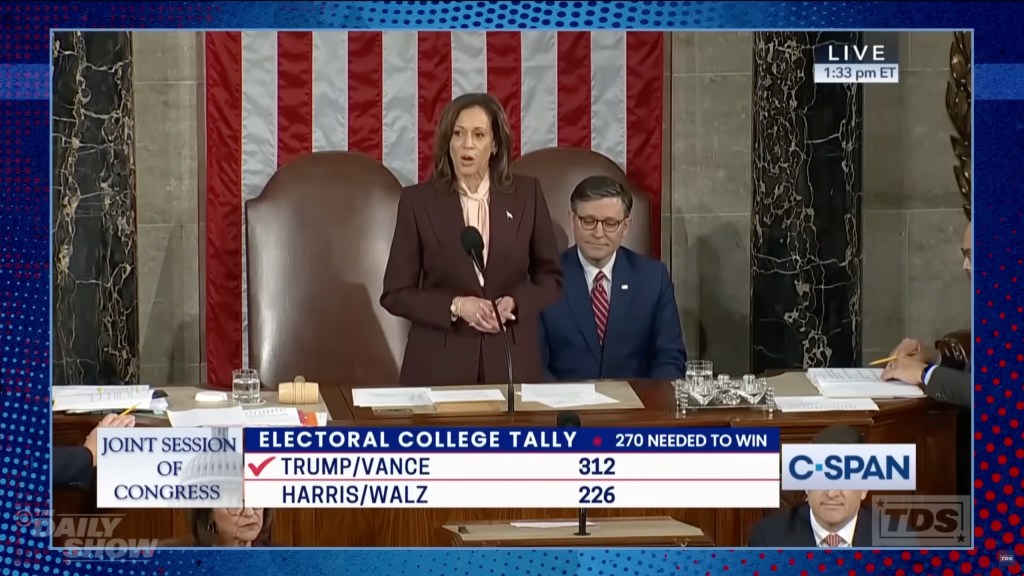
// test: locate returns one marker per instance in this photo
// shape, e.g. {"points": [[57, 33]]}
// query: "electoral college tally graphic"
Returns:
{"points": [[502, 468]]}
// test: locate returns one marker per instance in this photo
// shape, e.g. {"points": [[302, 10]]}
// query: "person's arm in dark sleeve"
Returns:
{"points": [[948, 385], [72, 467]]}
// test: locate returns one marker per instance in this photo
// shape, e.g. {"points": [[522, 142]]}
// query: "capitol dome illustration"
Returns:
{"points": [[223, 469]]}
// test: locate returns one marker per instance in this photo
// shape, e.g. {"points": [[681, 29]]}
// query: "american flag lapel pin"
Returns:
{"points": [[508, 214], [625, 286]]}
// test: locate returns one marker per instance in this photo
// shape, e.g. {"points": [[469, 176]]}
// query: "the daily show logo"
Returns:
{"points": [[849, 467]]}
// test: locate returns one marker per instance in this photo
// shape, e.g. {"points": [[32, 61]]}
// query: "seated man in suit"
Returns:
{"points": [[829, 519], [73, 465], [618, 316], [920, 364]]}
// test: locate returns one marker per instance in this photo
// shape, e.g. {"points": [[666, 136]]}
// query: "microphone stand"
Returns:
{"points": [[510, 392], [571, 420], [581, 529]]}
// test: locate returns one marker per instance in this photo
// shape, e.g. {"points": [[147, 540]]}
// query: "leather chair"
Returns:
{"points": [[561, 169], [955, 349], [317, 241]]}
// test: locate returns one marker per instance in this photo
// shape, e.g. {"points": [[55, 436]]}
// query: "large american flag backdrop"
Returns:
{"points": [[273, 96]]}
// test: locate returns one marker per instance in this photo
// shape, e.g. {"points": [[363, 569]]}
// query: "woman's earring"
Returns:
{"points": [[211, 527]]}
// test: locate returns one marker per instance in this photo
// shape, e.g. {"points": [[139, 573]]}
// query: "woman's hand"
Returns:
{"points": [[506, 307], [478, 313]]}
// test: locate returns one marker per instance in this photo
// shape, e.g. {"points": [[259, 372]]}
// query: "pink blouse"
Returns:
{"points": [[476, 213]]}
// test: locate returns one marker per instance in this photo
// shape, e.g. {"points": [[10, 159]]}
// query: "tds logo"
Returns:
{"points": [[921, 521], [849, 466]]}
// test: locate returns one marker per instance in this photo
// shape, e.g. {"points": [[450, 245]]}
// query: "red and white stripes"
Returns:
{"points": [[273, 96]]}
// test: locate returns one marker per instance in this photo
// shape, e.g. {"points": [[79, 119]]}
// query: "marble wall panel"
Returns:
{"points": [[95, 268]]}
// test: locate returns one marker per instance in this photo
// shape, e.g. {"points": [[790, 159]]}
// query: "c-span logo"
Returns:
{"points": [[849, 467]]}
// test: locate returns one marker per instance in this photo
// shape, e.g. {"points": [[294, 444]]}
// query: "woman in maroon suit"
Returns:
{"points": [[433, 283]]}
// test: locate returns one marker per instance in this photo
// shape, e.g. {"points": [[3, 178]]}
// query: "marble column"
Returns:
{"points": [[95, 312], [805, 239]]}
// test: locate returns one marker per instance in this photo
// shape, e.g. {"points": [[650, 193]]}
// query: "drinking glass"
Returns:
{"points": [[701, 369], [702, 390], [245, 386], [753, 389], [726, 390]]}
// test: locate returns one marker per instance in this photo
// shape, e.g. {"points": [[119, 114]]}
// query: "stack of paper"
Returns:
{"points": [[565, 395], [859, 383], [441, 396], [64, 391], [277, 416], [236, 417], [98, 398], [202, 417], [822, 404], [390, 397]]}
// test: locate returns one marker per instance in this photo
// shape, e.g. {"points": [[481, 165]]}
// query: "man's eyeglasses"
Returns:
{"points": [[967, 252], [588, 223]]}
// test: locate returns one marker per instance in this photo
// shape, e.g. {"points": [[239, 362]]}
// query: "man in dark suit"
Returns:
{"points": [[73, 465], [618, 317], [829, 518]]}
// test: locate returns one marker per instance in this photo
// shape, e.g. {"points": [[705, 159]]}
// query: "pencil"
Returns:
{"points": [[883, 361], [129, 410]]}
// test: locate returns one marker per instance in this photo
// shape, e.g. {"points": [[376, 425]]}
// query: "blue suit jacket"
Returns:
{"points": [[643, 338]]}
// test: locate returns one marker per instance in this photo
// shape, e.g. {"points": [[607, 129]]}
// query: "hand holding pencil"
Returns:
{"points": [[908, 362], [123, 420], [910, 347]]}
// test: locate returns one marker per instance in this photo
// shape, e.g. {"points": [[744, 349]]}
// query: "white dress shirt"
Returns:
{"points": [[846, 532], [590, 272]]}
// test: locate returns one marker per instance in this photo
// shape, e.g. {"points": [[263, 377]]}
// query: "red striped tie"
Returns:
{"points": [[833, 540], [600, 299]]}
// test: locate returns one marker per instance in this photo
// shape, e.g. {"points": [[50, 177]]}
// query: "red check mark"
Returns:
{"points": [[257, 469]]}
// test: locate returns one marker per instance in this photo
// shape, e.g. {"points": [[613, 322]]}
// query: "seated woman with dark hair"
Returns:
{"points": [[231, 527]]}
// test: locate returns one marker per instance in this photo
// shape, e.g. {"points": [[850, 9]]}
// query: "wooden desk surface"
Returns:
{"points": [[612, 532], [659, 409], [928, 424]]}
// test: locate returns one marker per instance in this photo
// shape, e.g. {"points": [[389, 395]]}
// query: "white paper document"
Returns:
{"points": [[390, 397], [571, 401], [234, 416], [565, 395], [547, 524], [65, 391], [110, 399], [203, 417], [439, 396], [277, 416], [859, 383], [531, 391], [156, 406], [822, 404]]}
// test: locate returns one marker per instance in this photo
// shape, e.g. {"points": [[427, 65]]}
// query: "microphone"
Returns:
{"points": [[572, 420], [569, 420], [473, 245]]}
